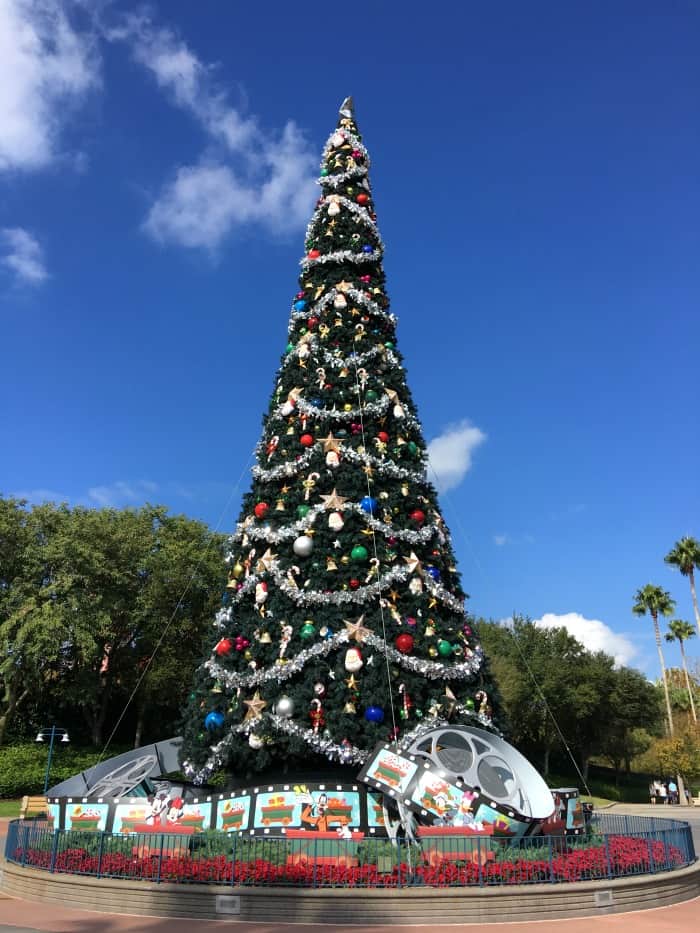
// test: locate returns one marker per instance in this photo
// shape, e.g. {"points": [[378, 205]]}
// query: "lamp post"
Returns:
{"points": [[51, 734]]}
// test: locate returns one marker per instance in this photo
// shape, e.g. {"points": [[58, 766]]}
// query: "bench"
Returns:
{"points": [[32, 806]]}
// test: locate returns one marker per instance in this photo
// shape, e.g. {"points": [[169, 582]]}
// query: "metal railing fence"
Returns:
{"points": [[614, 846]]}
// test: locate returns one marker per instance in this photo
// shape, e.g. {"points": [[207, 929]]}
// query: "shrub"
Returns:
{"points": [[23, 767]]}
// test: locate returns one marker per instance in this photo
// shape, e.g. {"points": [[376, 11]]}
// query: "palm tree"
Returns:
{"points": [[686, 556], [654, 600], [681, 631]]}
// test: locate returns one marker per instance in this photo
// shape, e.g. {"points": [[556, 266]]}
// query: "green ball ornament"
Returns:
{"points": [[359, 553], [308, 630], [324, 172], [412, 447], [371, 395], [389, 344], [289, 348], [444, 648], [469, 703], [303, 510]]}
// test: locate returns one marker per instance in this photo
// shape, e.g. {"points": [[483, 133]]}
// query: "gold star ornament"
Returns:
{"points": [[334, 501], [255, 707], [357, 630]]}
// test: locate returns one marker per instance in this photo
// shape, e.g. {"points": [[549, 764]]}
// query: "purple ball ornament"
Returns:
{"points": [[374, 714]]}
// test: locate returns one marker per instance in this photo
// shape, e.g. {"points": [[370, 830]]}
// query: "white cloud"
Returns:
{"points": [[500, 540], [36, 496], [199, 207], [188, 81], [22, 255], [121, 493], [592, 633], [246, 176], [46, 69], [450, 454]]}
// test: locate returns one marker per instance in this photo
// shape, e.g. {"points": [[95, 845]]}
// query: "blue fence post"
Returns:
{"points": [[233, 860], [99, 855], [652, 863], [608, 860], [399, 861], [54, 849], [550, 845], [160, 856], [24, 835]]}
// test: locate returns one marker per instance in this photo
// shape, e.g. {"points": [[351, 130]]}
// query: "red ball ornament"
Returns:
{"points": [[354, 584], [313, 254], [383, 437], [362, 198], [418, 516], [404, 643], [261, 509], [312, 322], [223, 647], [306, 440]]}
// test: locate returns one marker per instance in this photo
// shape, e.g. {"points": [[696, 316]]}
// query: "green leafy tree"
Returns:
{"points": [[634, 714], [685, 555], [344, 622], [85, 604], [656, 601], [681, 631], [30, 644], [538, 677]]}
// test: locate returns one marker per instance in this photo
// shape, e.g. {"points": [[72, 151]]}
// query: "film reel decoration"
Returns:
{"points": [[459, 777]]}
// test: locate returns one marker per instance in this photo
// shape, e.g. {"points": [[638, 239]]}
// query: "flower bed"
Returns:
{"points": [[265, 864]]}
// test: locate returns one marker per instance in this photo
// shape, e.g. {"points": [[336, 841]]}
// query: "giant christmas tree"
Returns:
{"points": [[343, 622]]}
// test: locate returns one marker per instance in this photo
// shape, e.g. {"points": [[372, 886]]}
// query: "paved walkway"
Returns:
{"points": [[25, 917], [18, 916]]}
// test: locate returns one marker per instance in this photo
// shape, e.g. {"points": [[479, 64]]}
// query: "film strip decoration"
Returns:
{"points": [[438, 801], [339, 809]]}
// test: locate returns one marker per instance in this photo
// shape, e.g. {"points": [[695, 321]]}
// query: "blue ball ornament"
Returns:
{"points": [[317, 402], [367, 248], [433, 572], [374, 714], [369, 504], [214, 720], [300, 305]]}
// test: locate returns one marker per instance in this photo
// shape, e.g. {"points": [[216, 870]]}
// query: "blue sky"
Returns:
{"points": [[535, 171]]}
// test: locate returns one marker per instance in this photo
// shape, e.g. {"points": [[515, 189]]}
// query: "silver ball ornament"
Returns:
{"points": [[303, 546], [284, 707]]}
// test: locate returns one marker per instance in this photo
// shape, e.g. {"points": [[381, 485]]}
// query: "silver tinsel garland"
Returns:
{"points": [[345, 203], [261, 533], [359, 297], [365, 594], [433, 670]]}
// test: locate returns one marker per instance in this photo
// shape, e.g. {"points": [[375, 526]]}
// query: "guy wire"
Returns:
{"points": [[175, 610], [510, 630], [376, 555]]}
